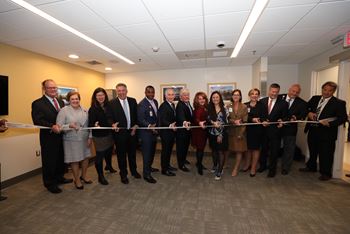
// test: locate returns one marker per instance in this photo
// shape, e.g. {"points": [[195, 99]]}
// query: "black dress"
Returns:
{"points": [[254, 132]]}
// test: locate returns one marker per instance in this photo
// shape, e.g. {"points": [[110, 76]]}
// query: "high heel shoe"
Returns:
{"points": [[78, 187], [245, 170], [85, 181], [252, 174]]}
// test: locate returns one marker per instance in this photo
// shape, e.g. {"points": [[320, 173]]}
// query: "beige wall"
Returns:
{"points": [[26, 70]]}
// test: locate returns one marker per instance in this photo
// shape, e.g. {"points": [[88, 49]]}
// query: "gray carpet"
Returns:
{"points": [[187, 203]]}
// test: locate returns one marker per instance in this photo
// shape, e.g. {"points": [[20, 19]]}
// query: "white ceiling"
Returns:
{"points": [[288, 31]]}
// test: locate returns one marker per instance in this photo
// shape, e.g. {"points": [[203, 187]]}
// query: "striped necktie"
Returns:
{"points": [[319, 107]]}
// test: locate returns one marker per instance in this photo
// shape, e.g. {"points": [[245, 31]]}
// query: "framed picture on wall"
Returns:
{"points": [[225, 89], [63, 91], [177, 88]]}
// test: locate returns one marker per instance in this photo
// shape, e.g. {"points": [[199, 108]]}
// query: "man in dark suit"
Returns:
{"points": [[296, 111], [147, 117], [275, 110], [321, 137], [184, 117], [44, 113], [167, 118], [122, 115]]}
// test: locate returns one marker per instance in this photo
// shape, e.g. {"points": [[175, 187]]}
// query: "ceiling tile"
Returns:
{"points": [[230, 40], [303, 36], [191, 63], [187, 44], [216, 62], [284, 50], [212, 7], [264, 38], [178, 29], [282, 3]]}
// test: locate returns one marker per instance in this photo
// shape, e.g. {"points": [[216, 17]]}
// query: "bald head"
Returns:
{"points": [[294, 91]]}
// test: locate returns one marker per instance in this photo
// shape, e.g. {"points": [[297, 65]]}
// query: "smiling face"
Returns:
{"points": [[294, 91], [215, 98], [327, 91], [74, 101], [273, 92], [185, 96], [121, 92], [150, 93], [170, 95], [50, 88], [236, 96], [100, 97], [201, 100], [254, 96]]}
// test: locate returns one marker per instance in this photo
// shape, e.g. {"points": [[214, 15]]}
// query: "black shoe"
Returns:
{"points": [[65, 181], [102, 180], [170, 168], [245, 170], [124, 180], [252, 175], [284, 172], [184, 168], [150, 179], [271, 174], [85, 181], [168, 173], [154, 169], [81, 187], [110, 169], [187, 162], [261, 169], [306, 169], [54, 189], [136, 175], [200, 169], [324, 177]]}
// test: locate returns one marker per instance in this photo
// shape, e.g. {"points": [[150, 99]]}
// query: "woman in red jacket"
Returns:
{"points": [[199, 135]]}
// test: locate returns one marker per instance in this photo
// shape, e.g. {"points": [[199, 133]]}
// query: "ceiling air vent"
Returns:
{"points": [[93, 62]]}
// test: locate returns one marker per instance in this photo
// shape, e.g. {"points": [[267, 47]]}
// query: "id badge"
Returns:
{"points": [[248, 109], [150, 113], [230, 109]]}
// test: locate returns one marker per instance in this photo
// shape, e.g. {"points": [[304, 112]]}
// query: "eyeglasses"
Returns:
{"points": [[50, 87]]}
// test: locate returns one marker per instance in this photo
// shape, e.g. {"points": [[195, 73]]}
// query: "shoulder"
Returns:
{"points": [[131, 99]]}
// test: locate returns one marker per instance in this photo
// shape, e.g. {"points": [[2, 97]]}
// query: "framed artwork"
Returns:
{"points": [[63, 91], [111, 93], [225, 89], [177, 88]]}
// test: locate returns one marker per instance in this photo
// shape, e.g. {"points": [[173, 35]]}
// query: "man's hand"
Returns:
{"points": [[256, 120], [202, 124], [97, 124], [324, 122], [133, 130], [265, 123], [187, 125], [280, 124], [115, 127], [312, 116], [173, 125], [56, 128], [219, 139]]}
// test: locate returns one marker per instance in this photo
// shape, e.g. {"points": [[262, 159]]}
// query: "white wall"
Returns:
{"points": [[283, 74], [196, 79]]}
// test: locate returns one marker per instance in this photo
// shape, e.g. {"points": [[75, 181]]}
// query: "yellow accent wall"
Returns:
{"points": [[26, 70]]}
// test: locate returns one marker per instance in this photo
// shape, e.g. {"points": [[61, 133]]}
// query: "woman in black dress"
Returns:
{"points": [[254, 132]]}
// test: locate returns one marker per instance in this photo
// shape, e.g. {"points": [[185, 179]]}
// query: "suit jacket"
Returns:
{"points": [[115, 113], [166, 116], [183, 113], [146, 115], [44, 114], [334, 108], [299, 110], [279, 111]]}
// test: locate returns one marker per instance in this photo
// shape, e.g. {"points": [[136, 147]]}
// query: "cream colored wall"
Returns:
{"points": [[283, 74], [26, 71]]}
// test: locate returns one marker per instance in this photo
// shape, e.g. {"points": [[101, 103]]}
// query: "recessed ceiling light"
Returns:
{"points": [[48, 17], [73, 56], [108, 68]]}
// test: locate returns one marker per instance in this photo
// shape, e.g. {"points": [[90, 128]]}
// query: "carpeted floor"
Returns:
{"points": [[187, 203]]}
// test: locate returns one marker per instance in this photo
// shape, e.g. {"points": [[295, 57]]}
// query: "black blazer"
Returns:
{"points": [[183, 113], [97, 114], [115, 113], [279, 111], [166, 116], [299, 110], [44, 114], [146, 115], [334, 108]]}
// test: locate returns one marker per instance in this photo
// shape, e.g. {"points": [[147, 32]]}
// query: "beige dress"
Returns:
{"points": [[237, 136]]}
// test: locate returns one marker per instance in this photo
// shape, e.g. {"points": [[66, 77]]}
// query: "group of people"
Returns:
{"points": [[122, 123]]}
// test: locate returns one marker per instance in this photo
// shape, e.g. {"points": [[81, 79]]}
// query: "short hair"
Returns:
{"points": [[240, 94], [184, 90], [166, 91], [331, 84], [252, 90], [43, 84], [149, 87], [196, 97], [71, 93], [121, 85], [275, 86], [296, 85]]}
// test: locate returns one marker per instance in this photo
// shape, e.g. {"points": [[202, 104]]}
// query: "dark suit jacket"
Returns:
{"points": [[146, 115], [115, 113], [97, 114], [334, 108], [44, 114], [166, 116], [279, 111], [183, 113], [299, 110]]}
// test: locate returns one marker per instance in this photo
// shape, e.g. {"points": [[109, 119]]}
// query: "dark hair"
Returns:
{"points": [[71, 93], [211, 107], [196, 102], [331, 84], [149, 87], [94, 102], [121, 85], [275, 86], [240, 94], [252, 90]]}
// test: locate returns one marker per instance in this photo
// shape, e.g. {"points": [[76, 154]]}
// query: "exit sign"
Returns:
{"points": [[347, 39]]}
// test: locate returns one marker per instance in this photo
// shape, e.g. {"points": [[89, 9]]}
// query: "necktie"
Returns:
{"points": [[126, 112], [56, 104], [269, 107], [289, 102], [154, 107], [173, 106], [189, 107], [319, 107]]}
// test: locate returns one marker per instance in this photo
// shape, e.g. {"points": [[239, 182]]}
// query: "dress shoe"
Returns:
{"points": [[154, 169], [150, 179], [252, 174], [136, 175], [187, 162], [54, 189], [85, 181], [284, 172], [65, 181], [168, 173], [261, 169], [244, 169], [170, 168], [125, 180], [184, 168], [324, 178], [306, 169], [81, 187], [102, 180], [200, 169], [110, 169], [347, 175], [271, 174]]}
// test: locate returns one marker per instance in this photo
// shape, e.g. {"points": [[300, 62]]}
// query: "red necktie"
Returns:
{"points": [[56, 104]]}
